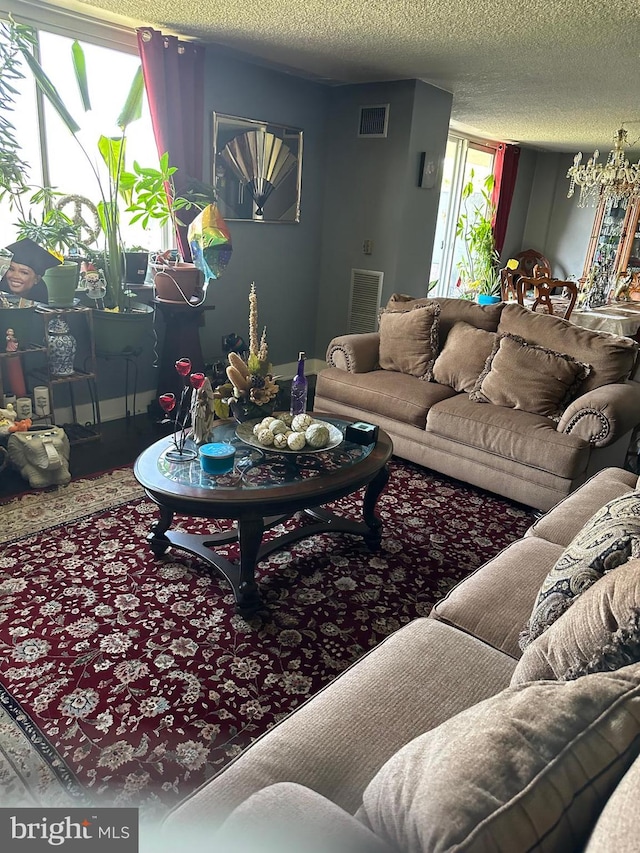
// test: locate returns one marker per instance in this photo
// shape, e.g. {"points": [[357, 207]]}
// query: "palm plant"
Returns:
{"points": [[478, 267]]}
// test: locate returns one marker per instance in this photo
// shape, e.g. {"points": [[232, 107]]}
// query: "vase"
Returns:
{"points": [[246, 410], [486, 299], [61, 347]]}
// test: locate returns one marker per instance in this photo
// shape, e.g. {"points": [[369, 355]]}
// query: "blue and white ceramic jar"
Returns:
{"points": [[62, 348]]}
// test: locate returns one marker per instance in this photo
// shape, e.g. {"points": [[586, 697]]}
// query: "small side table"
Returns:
{"points": [[182, 340]]}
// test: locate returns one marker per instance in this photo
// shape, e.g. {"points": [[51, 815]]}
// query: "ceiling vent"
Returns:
{"points": [[374, 121], [364, 300]]}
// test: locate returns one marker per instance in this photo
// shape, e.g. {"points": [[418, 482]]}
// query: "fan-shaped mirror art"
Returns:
{"points": [[257, 169]]}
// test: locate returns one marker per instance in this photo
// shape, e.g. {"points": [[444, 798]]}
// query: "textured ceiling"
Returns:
{"points": [[545, 73]]}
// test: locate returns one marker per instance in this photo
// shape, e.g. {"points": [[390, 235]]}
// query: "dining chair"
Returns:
{"points": [[530, 263], [555, 295]]}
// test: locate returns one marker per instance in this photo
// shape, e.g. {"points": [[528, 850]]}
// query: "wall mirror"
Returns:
{"points": [[257, 169]]}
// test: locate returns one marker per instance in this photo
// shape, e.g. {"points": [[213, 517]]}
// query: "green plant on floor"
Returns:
{"points": [[478, 267]]}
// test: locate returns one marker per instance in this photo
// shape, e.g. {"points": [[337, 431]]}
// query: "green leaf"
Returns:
{"points": [[80, 70], [112, 151], [50, 92], [132, 109]]}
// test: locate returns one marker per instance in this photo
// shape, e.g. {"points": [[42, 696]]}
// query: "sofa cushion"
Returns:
{"points": [[463, 356], [479, 604], [531, 440], [618, 825], [528, 769], [567, 517], [452, 311], [383, 392], [611, 357], [599, 632], [607, 540], [288, 818], [520, 375], [409, 340]]}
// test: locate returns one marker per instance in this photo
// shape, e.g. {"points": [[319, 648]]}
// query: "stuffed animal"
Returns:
{"points": [[7, 420]]}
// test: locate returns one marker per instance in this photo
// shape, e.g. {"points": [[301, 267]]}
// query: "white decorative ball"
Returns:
{"points": [[317, 436], [265, 437], [277, 426], [258, 427], [280, 441], [296, 441], [265, 423], [301, 422], [287, 417]]}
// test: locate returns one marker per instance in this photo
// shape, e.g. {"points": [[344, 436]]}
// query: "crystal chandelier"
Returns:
{"points": [[616, 179]]}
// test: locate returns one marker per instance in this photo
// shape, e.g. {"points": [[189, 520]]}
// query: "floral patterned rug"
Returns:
{"points": [[126, 679]]}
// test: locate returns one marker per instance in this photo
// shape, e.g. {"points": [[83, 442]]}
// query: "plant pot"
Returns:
{"points": [[135, 267], [179, 283], [62, 282], [122, 333], [485, 299]]}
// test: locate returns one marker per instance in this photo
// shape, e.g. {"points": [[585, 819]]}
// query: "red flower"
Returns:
{"points": [[183, 366], [167, 402], [197, 380]]}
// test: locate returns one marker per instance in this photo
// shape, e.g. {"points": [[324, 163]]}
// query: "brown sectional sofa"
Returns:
{"points": [[516, 452], [439, 740]]}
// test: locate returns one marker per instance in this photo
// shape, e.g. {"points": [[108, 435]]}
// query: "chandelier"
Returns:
{"points": [[616, 179]]}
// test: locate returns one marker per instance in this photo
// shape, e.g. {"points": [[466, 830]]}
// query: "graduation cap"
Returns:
{"points": [[32, 255]]}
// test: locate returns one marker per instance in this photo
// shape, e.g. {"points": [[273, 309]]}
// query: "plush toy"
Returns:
{"points": [[21, 426]]}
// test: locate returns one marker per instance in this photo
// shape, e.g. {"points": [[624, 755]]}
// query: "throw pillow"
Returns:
{"points": [[528, 769], [520, 375], [612, 358], [608, 539], [598, 633], [409, 340], [463, 358]]}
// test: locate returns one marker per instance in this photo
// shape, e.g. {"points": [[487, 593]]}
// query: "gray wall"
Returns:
{"points": [[282, 259], [372, 193], [543, 218]]}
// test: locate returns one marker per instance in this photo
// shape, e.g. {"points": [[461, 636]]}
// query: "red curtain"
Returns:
{"points": [[173, 73], [505, 169]]}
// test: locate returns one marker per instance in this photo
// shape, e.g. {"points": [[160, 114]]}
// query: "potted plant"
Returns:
{"points": [[478, 267], [152, 195]]}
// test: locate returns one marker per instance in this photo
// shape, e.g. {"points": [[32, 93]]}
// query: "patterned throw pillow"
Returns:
{"points": [[409, 340], [598, 633], [522, 375], [608, 539]]}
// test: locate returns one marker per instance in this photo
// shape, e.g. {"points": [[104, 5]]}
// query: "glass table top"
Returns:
{"points": [[263, 468]]}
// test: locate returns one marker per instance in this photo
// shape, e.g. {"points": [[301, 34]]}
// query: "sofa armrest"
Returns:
{"points": [[604, 414], [354, 353]]}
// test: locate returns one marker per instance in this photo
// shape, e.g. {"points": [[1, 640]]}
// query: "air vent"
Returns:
{"points": [[364, 300], [374, 121]]}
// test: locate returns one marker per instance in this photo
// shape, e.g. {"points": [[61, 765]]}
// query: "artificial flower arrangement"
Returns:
{"points": [[170, 405], [251, 389]]}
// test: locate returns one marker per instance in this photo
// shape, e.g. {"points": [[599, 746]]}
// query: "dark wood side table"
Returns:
{"points": [[263, 488]]}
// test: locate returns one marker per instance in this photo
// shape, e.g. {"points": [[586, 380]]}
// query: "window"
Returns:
{"points": [[461, 158], [54, 157]]}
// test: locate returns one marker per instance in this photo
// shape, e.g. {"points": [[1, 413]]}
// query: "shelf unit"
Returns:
{"points": [[615, 237], [76, 431]]}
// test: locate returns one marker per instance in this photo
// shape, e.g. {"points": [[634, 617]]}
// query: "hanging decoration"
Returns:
{"points": [[616, 179], [261, 161]]}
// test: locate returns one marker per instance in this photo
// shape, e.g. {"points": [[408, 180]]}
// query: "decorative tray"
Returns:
{"points": [[245, 433]]}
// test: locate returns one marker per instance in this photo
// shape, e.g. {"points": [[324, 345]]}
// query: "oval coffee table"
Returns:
{"points": [[264, 487]]}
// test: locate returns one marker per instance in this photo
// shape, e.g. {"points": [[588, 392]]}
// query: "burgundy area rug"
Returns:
{"points": [[129, 680]]}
